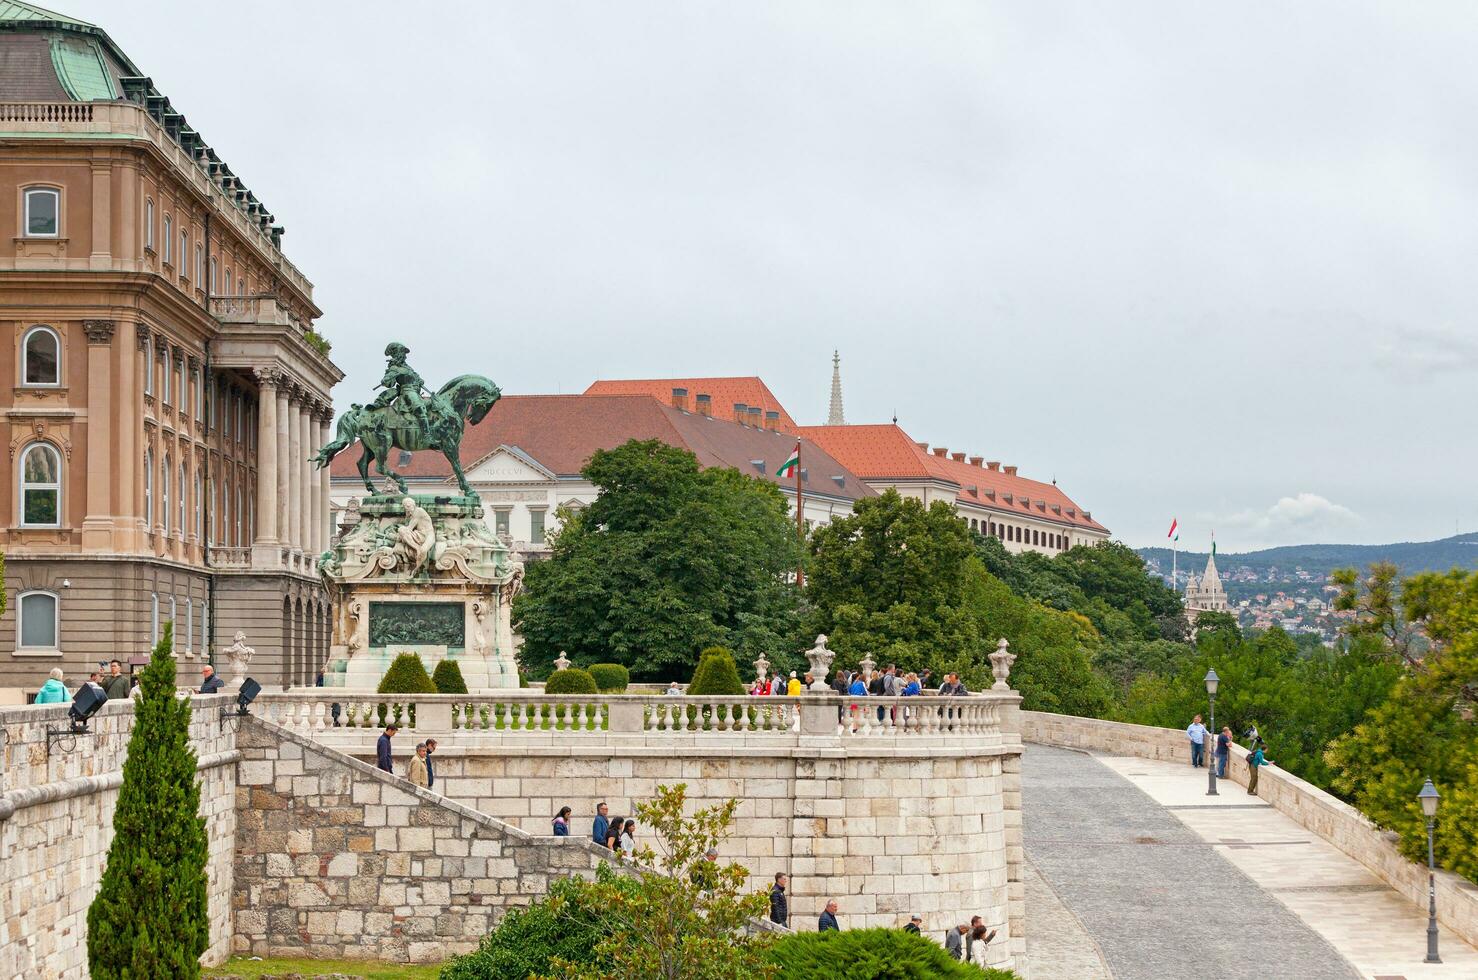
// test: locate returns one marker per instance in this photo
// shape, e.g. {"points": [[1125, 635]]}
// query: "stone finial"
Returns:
{"points": [[820, 660], [561, 662], [1001, 660], [238, 655], [867, 664], [761, 666]]}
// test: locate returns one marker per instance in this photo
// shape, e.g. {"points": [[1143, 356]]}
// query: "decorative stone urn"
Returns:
{"points": [[761, 666], [238, 655], [820, 660], [867, 665], [561, 662], [1001, 660]]}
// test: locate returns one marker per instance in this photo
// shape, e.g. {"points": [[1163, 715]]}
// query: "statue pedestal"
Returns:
{"points": [[421, 574]]}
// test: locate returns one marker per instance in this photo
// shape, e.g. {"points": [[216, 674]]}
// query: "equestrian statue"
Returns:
{"points": [[405, 416]]}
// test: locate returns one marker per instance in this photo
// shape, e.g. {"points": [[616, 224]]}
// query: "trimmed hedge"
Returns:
{"points": [[407, 675], [572, 680], [610, 678], [864, 954], [448, 678], [716, 674]]}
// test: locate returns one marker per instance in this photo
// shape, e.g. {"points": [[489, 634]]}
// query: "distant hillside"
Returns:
{"points": [[1411, 557]]}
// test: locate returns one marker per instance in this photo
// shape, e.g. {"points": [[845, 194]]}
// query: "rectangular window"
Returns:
{"points": [[199, 265], [43, 212], [38, 620], [164, 352], [204, 629], [500, 521], [168, 240], [153, 618], [148, 365], [189, 621], [149, 225], [195, 391], [536, 526]]}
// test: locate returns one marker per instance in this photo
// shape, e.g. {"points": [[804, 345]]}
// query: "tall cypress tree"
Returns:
{"points": [[150, 919]]}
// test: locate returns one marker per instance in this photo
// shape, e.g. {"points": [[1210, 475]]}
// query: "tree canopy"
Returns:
{"points": [[668, 559]]}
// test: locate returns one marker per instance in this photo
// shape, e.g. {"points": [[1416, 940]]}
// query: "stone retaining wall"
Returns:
{"points": [[1312, 808], [335, 858], [56, 824]]}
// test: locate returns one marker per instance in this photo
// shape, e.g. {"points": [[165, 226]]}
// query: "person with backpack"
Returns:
{"points": [[1255, 761]]}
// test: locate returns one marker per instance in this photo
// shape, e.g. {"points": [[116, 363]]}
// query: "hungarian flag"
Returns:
{"points": [[789, 467], [1174, 527]]}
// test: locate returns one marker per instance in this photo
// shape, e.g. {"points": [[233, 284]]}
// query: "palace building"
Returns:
{"points": [[167, 384]]}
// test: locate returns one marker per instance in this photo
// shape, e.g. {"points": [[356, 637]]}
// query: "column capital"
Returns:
{"points": [[194, 362], [179, 355], [267, 377], [142, 333], [161, 346], [99, 332]]}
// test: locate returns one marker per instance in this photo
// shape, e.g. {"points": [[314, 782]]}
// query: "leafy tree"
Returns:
{"points": [[682, 920], [571, 680], [447, 678], [1125, 662], [866, 954], [149, 919], [1208, 622], [716, 674], [1377, 609], [407, 675], [668, 559], [610, 678]]}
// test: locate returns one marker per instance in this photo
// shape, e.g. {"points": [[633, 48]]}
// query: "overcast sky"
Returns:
{"points": [[1200, 260]]}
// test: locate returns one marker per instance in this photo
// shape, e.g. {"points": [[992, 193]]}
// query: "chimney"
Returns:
{"points": [[755, 414], [680, 398], [922, 445], [740, 412], [976, 460], [705, 405], [1010, 471], [994, 465], [772, 420], [957, 457], [940, 451]]}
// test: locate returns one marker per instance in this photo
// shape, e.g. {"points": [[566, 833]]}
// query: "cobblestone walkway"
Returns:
{"points": [[1144, 885]]}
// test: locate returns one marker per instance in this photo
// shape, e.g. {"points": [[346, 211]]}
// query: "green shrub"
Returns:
{"points": [[863, 954], [407, 675], [572, 680], [448, 678], [610, 678], [149, 918], [568, 924], [716, 674]]}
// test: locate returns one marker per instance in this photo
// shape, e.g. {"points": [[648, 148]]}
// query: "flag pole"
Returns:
{"points": [[800, 520]]}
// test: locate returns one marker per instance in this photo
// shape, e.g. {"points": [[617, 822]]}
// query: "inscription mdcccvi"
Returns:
{"points": [[418, 624]]}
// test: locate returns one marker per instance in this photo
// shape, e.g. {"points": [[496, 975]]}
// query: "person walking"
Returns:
{"points": [[779, 905], [914, 925], [628, 838], [415, 769], [382, 749], [430, 768], [53, 691], [793, 686], [828, 920], [210, 681], [562, 822], [116, 686], [954, 941], [613, 834], [1196, 732], [599, 829], [1255, 761], [1223, 749]]}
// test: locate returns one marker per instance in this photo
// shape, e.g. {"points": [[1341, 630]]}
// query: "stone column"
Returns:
{"points": [[325, 417], [303, 470], [294, 471], [264, 548], [97, 525], [279, 444], [101, 256]]}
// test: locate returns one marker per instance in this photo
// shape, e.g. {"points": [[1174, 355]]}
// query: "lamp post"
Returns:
{"points": [[1212, 682], [1428, 797]]}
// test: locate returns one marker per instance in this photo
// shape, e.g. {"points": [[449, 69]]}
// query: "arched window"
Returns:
{"points": [[43, 212], [41, 486], [41, 356], [164, 351], [189, 633], [238, 515], [153, 618], [174, 622], [199, 266], [164, 480], [204, 628], [149, 225], [184, 252], [228, 282], [213, 265], [38, 616], [251, 518], [149, 491], [148, 365], [199, 513], [184, 482], [168, 238]]}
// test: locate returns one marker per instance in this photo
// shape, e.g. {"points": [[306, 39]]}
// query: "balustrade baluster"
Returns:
{"points": [[523, 717]]}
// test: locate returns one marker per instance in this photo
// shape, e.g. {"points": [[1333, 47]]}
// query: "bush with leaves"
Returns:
{"points": [[716, 674], [865, 954], [571, 680], [447, 678], [610, 678], [150, 919], [407, 675]]}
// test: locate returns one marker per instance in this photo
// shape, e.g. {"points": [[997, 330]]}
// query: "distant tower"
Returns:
{"points": [[1205, 594], [835, 417]]}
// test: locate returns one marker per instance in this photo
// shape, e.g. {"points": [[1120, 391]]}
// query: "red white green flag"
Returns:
{"points": [[788, 468], [1174, 526]]}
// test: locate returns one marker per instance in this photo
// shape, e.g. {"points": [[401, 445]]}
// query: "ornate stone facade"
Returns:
{"points": [[1205, 594]]}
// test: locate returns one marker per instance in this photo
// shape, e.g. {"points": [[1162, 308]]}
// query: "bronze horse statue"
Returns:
{"points": [[382, 428]]}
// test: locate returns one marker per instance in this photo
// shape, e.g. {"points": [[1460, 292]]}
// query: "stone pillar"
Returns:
{"points": [[325, 417], [295, 472], [264, 548], [303, 470], [101, 256], [284, 412], [97, 525]]}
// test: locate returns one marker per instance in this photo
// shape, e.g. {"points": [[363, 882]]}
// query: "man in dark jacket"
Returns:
{"points": [[828, 918], [779, 906], [430, 769], [601, 825], [914, 925], [382, 749], [116, 686], [210, 681]]}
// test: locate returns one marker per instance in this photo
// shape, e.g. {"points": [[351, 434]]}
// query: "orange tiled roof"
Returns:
{"points": [[725, 393], [886, 452]]}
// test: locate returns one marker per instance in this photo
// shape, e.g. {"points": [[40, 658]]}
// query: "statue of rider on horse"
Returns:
{"points": [[404, 416]]}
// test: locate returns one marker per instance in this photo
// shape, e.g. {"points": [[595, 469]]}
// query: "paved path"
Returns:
{"points": [[1138, 879]]}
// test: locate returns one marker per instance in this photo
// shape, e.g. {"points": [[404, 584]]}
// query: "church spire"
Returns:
{"points": [[835, 417]]}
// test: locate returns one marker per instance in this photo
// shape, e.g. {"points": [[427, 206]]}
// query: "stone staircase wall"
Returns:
{"points": [[336, 858]]}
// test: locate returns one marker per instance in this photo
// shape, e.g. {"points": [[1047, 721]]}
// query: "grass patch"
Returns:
{"points": [[372, 969]]}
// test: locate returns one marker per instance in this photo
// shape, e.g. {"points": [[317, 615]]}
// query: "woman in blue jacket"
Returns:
{"points": [[53, 691], [1255, 761]]}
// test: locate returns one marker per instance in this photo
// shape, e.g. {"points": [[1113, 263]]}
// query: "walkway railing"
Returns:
{"points": [[519, 713]]}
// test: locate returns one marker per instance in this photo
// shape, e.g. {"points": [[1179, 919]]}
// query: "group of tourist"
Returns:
{"points": [[777, 685], [1197, 733], [419, 769], [888, 682], [959, 942], [110, 681], [617, 836]]}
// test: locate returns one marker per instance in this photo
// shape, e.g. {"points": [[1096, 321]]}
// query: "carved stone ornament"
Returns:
{"points": [[267, 377], [1001, 660], [239, 655], [99, 332], [561, 662], [820, 658], [761, 666], [141, 334]]}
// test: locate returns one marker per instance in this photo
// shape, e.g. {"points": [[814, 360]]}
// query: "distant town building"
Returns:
{"points": [[1205, 594]]}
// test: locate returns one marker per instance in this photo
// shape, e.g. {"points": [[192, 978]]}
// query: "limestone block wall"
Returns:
{"points": [[56, 824], [885, 828], [335, 858], [1312, 808]]}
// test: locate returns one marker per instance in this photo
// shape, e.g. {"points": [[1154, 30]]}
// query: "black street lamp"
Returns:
{"points": [[1212, 682], [1428, 797]]}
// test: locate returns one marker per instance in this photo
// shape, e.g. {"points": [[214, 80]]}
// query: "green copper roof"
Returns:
{"points": [[80, 69], [13, 10]]}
